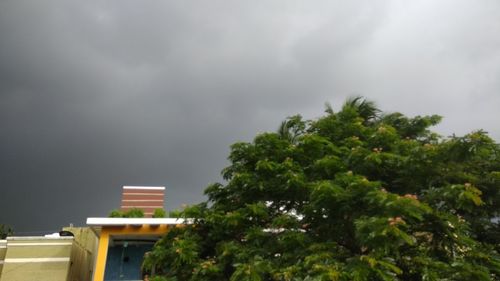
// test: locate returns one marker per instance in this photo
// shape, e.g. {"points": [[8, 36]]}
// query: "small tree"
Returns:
{"points": [[134, 213], [5, 231], [354, 195], [159, 213], [116, 214]]}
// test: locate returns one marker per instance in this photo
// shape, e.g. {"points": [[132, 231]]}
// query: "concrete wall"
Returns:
{"points": [[49, 258], [37, 258], [82, 253]]}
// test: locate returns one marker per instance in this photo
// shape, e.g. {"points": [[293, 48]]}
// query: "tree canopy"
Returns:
{"points": [[132, 213], [357, 194], [5, 231]]}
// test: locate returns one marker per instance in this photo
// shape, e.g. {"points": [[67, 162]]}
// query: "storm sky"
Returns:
{"points": [[95, 95]]}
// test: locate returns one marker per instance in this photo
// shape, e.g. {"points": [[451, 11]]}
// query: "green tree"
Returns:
{"points": [[5, 230], [132, 213], [354, 195], [116, 214], [159, 213]]}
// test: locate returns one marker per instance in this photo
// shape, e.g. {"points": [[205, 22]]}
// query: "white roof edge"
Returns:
{"points": [[136, 221], [10, 238], [144, 187]]}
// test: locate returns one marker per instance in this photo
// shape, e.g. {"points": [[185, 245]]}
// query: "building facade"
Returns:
{"points": [[108, 249], [48, 258], [123, 243], [146, 198]]}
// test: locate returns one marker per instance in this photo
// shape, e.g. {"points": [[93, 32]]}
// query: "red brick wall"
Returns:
{"points": [[145, 198]]}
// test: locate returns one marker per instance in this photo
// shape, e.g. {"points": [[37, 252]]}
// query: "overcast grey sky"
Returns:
{"points": [[95, 95]]}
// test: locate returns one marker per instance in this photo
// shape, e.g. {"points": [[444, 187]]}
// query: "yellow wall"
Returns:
{"points": [[107, 231]]}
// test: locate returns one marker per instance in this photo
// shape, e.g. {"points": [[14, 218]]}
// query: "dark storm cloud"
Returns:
{"points": [[95, 95]]}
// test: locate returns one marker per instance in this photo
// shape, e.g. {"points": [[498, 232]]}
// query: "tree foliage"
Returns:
{"points": [[5, 231], [354, 195], [132, 213], [116, 214], [159, 213]]}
